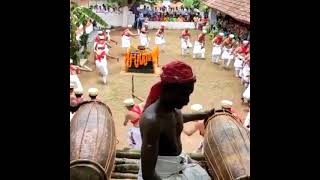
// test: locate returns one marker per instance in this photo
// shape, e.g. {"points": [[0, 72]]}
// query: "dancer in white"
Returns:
{"points": [[159, 39], [228, 45], [246, 95], [144, 39], [185, 41], [238, 64], [126, 38], [199, 48], [133, 115], [217, 49], [245, 75], [101, 62]]}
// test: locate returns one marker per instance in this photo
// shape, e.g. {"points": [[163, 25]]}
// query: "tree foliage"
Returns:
{"points": [[80, 16]]}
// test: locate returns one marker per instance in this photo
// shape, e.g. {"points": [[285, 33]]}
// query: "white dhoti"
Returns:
{"points": [[178, 168], [159, 40], [185, 44], [135, 140], [74, 79], [216, 53], [246, 93], [238, 65], [125, 41], [198, 50], [245, 75], [103, 69], [227, 56], [144, 41]]}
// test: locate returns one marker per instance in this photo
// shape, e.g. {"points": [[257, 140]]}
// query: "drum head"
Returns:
{"points": [[86, 172]]}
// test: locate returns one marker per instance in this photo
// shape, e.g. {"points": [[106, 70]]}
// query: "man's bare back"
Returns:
{"points": [[170, 127]]}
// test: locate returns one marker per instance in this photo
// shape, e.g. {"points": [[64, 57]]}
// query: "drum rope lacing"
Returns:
{"points": [[218, 113], [228, 113]]}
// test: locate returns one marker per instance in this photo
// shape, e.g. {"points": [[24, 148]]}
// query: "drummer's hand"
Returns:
{"points": [[210, 113]]}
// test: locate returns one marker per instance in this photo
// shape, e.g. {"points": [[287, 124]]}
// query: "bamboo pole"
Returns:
{"points": [[127, 168], [116, 175], [126, 161]]}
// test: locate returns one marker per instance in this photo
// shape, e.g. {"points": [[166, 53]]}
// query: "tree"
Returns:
{"points": [[195, 4], [80, 16]]}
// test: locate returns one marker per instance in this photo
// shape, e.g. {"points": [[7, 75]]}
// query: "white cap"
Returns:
{"points": [[71, 85], [162, 24], [204, 31], [93, 92], [196, 107], [71, 61], [128, 102], [101, 37], [108, 30], [78, 91], [231, 35], [146, 23], [245, 42], [129, 26], [226, 104], [100, 32], [221, 34]]}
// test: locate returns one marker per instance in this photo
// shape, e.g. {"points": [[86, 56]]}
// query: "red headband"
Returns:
{"points": [[174, 72]]}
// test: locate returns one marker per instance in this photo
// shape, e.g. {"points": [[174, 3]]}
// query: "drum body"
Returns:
{"points": [[92, 142], [227, 147]]}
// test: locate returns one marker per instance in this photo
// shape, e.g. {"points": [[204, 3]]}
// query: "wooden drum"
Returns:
{"points": [[227, 147], [92, 142]]}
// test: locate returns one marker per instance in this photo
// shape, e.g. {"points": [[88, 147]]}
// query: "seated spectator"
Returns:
{"points": [[166, 18], [180, 19]]}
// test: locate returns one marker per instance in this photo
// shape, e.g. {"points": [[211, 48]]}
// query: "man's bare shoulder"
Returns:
{"points": [[149, 117]]}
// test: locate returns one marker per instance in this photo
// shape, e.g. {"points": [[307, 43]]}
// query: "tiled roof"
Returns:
{"points": [[238, 9]]}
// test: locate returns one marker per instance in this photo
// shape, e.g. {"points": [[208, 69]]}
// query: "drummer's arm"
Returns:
{"points": [[191, 131], [197, 116]]}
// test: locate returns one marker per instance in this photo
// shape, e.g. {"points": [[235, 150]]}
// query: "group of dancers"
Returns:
{"points": [[143, 36]]}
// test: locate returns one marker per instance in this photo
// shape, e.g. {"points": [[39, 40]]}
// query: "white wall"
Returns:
{"points": [[171, 25], [115, 19]]}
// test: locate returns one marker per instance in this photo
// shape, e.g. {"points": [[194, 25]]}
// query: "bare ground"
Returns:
{"points": [[213, 84]]}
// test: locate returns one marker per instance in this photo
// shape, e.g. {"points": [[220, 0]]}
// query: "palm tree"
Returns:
{"points": [[80, 16]]}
